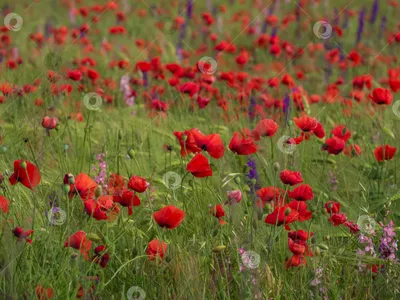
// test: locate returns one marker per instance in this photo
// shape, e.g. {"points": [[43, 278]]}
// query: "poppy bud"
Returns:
{"points": [[120, 134], [237, 180], [249, 203], [184, 137], [98, 192], [23, 165], [219, 248], [253, 181], [268, 207], [3, 149], [71, 178], [94, 237], [66, 146], [131, 153], [66, 188], [277, 166], [74, 256], [317, 251], [327, 238], [290, 122], [287, 211]]}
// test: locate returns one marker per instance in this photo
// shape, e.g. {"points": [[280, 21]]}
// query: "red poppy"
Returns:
{"points": [[156, 249], [127, 198], [301, 208], [80, 242], [306, 123], [75, 75], [199, 166], [101, 256], [352, 150], [384, 152], [44, 293], [333, 145], [169, 217], [190, 88], [291, 177], [271, 193], [354, 228], [82, 184], [218, 212], [26, 173], [338, 219], [212, 143], [242, 145], [341, 132], [266, 127], [4, 204], [381, 96], [296, 261], [319, 131], [332, 207], [302, 193], [138, 184], [22, 235], [300, 235], [103, 208], [282, 215], [49, 123]]}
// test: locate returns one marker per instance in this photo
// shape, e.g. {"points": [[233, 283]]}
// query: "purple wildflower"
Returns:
{"points": [[360, 25], [375, 10], [388, 247], [286, 107]]}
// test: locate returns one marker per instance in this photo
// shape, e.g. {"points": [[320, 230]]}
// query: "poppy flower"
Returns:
{"points": [[291, 177], [199, 166], [338, 219], [341, 132], [103, 208], [242, 145], [44, 293], [333, 145], [354, 228], [267, 127], [296, 261], [82, 185], [332, 207], [49, 123], [234, 196], [352, 150], [169, 217], [301, 208], [302, 193], [26, 173], [218, 212], [188, 142], [22, 235], [79, 241], [138, 184], [270, 193], [4, 204], [156, 248], [190, 88], [127, 198], [212, 143], [74, 75], [381, 96], [384, 152], [282, 215], [101, 256], [305, 123], [319, 131], [300, 235]]}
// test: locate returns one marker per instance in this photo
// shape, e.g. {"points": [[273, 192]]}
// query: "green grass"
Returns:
{"points": [[193, 268]]}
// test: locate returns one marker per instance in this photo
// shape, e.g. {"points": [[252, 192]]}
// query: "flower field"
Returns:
{"points": [[187, 149]]}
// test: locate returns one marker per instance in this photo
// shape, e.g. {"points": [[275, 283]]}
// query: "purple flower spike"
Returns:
{"points": [[360, 25], [375, 10]]}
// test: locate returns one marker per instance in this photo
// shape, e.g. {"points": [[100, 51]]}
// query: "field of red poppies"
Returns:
{"points": [[199, 149]]}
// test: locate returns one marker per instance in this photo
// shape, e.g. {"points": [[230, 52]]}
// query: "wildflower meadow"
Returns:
{"points": [[199, 149]]}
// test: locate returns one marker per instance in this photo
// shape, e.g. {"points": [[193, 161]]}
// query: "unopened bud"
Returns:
{"points": [[219, 248], [98, 192], [23, 164], [131, 153], [66, 188], [277, 166], [287, 211]]}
